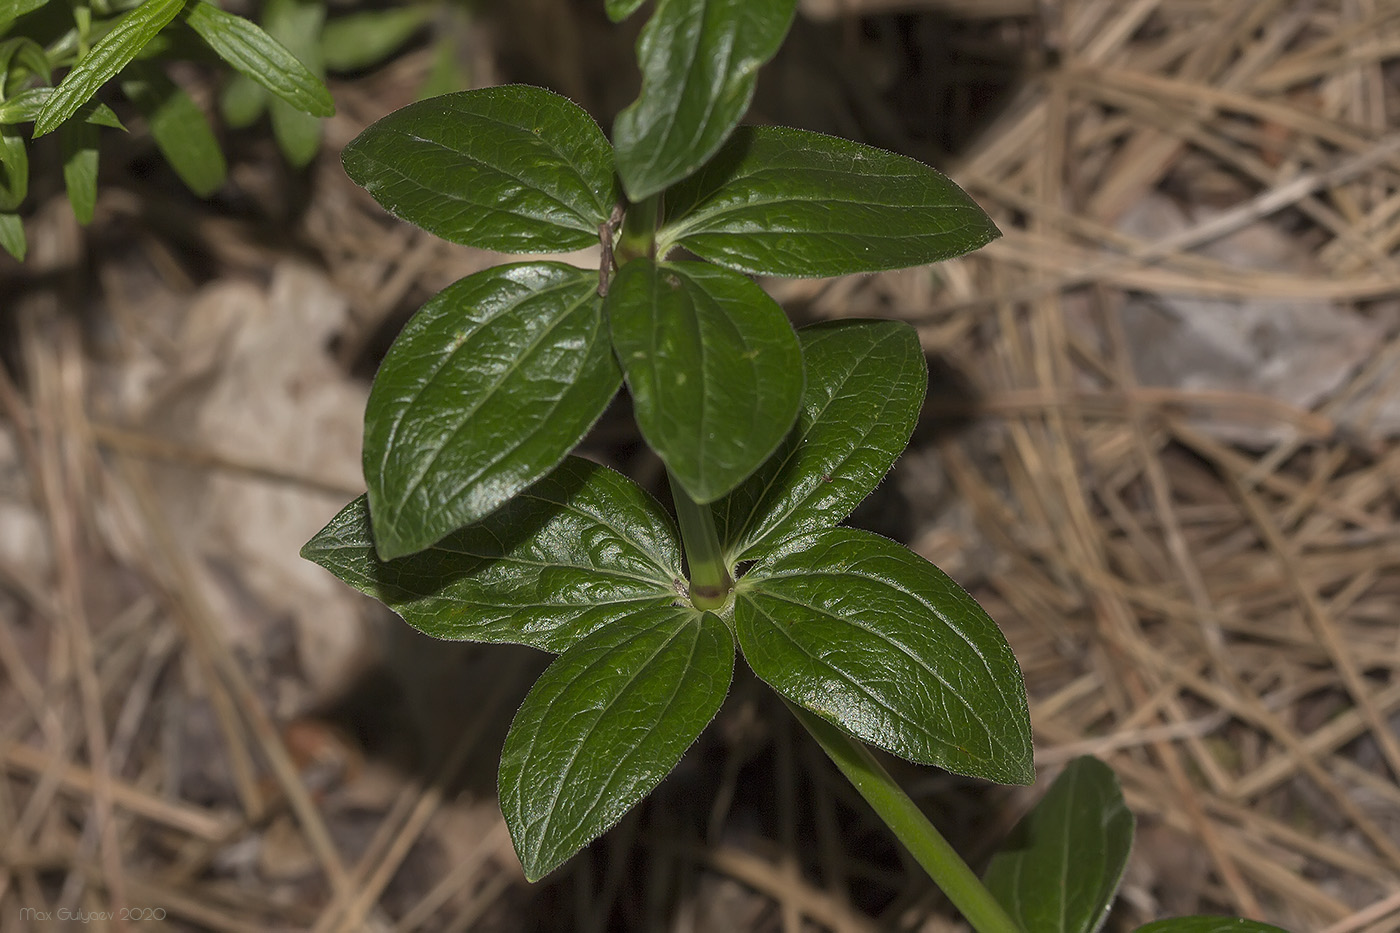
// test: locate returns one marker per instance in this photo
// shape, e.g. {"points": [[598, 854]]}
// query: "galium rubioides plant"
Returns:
{"points": [[93, 44], [479, 525]]}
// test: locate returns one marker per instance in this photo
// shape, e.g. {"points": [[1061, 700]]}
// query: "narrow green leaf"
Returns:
{"points": [[580, 549], [865, 385], [14, 168], [1209, 925], [778, 201], [25, 107], [873, 638], [699, 61], [257, 55], [515, 168], [242, 102], [359, 40], [298, 133], [604, 724], [485, 391], [618, 10], [12, 236], [713, 366], [11, 10], [178, 126], [108, 56], [1061, 866], [28, 55], [78, 142]]}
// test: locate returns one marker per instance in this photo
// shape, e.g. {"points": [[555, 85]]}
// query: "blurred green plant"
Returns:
{"points": [[348, 43], [94, 44], [479, 525]]}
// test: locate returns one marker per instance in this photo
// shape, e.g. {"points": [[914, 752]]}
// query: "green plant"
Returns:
{"points": [[345, 43], [100, 41], [479, 525]]}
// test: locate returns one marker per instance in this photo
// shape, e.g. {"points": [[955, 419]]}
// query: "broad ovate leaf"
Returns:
{"points": [[485, 391], [256, 55], [1061, 867], [1209, 925], [604, 724], [515, 168], [865, 384], [713, 365], [778, 201], [579, 549], [873, 638], [699, 61]]}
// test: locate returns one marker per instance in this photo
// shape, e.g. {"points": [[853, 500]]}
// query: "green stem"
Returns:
{"points": [[907, 821], [709, 576], [638, 236]]}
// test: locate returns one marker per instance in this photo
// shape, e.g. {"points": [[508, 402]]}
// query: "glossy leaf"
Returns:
{"points": [[12, 238], [618, 10], [873, 638], [26, 106], [242, 101], [699, 61], [604, 724], [296, 24], [179, 128], [109, 55], [865, 385], [1209, 925], [256, 55], [78, 143], [517, 169], [581, 548], [488, 387], [14, 169], [359, 40], [713, 366], [778, 201], [1061, 866]]}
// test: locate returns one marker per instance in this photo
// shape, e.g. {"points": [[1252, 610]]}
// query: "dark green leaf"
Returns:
{"points": [[78, 142], [873, 638], [26, 106], [779, 201], [618, 10], [14, 168], [865, 385], [581, 548], [1062, 864], [243, 100], [359, 40], [515, 168], [713, 366], [298, 134], [604, 724], [1209, 925], [484, 392], [257, 55], [12, 236], [108, 56], [699, 61], [179, 128]]}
